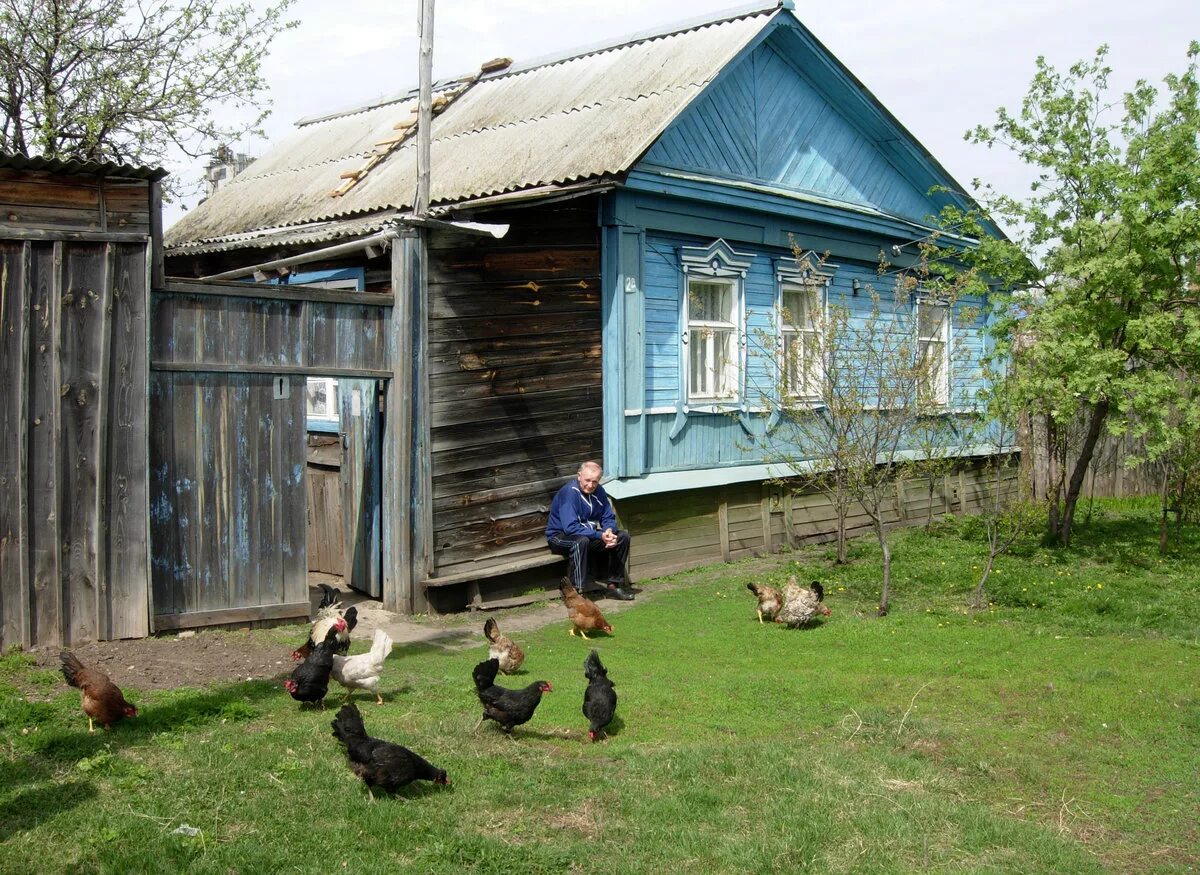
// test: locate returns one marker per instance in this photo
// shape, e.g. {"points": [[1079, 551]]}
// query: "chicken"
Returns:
{"points": [[362, 672], [380, 763], [508, 708], [503, 648], [770, 600], [102, 700], [582, 612], [310, 681], [801, 605], [328, 612], [599, 699]]}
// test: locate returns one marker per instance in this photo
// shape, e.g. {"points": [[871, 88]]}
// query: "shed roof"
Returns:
{"points": [[79, 167], [587, 115]]}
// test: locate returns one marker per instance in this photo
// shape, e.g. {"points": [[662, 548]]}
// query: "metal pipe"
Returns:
{"points": [[383, 237]]}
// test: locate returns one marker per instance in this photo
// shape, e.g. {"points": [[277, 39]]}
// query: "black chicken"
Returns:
{"points": [[508, 708], [310, 681], [380, 763], [599, 699]]}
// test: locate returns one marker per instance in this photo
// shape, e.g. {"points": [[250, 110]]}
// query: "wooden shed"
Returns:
{"points": [[541, 314], [75, 264]]}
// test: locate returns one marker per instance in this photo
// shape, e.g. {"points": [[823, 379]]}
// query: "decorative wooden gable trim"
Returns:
{"points": [[717, 259]]}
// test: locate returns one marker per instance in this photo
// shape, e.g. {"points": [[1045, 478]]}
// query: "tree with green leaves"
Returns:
{"points": [[126, 81], [1113, 314]]}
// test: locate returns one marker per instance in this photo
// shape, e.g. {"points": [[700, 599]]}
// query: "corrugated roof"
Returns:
{"points": [[79, 167], [296, 235], [587, 115]]}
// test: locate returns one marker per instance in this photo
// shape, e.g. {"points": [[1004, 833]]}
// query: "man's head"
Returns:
{"points": [[589, 477]]}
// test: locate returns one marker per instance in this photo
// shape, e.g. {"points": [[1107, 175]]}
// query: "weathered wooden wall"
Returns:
{"points": [[1107, 476], [73, 478], [326, 540], [45, 199], [515, 382], [228, 440]]}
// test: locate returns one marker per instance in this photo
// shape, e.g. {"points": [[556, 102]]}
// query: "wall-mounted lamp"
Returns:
{"points": [[855, 285]]}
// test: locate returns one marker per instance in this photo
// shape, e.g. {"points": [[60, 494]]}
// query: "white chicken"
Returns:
{"points": [[801, 604], [361, 672]]}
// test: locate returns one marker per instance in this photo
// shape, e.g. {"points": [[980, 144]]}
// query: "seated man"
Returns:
{"points": [[582, 526]]}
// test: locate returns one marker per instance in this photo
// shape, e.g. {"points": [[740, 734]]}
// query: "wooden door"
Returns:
{"points": [[360, 480]]}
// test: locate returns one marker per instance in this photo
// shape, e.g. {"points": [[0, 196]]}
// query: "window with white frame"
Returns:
{"points": [[712, 339], [801, 305], [713, 336], [321, 400], [933, 349]]}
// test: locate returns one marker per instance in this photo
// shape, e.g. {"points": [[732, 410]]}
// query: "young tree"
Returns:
{"points": [[1115, 215], [855, 381], [130, 80]]}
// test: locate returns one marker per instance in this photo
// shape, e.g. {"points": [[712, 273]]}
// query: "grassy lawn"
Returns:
{"points": [[1058, 731]]}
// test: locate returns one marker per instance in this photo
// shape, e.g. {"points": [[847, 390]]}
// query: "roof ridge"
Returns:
{"points": [[666, 30]]}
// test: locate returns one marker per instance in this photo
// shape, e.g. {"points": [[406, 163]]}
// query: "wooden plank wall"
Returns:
{"points": [[227, 510], [73, 372], [229, 521], [326, 542], [676, 531], [43, 199], [515, 380]]}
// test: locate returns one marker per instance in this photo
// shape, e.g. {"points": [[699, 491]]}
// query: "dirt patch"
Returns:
{"points": [[193, 659]]}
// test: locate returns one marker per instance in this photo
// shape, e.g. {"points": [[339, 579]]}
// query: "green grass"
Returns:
{"points": [[1056, 731]]}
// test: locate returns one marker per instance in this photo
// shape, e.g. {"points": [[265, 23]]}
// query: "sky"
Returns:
{"points": [[940, 67]]}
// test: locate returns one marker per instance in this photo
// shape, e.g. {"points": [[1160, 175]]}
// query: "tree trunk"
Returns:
{"points": [[886, 592], [1165, 499], [978, 601], [1099, 415], [1053, 479], [841, 523]]}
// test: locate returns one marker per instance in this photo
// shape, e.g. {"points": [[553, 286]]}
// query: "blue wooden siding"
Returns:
{"points": [[713, 440], [764, 120]]}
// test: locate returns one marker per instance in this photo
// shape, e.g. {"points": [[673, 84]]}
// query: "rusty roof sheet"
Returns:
{"points": [[588, 115]]}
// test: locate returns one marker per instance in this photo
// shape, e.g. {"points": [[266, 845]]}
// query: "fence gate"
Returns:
{"points": [[229, 363]]}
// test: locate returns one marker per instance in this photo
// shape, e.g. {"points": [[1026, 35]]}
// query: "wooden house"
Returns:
{"points": [[543, 314]]}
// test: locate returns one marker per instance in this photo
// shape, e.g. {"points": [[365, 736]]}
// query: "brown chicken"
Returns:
{"points": [[770, 600], [502, 648], [802, 605], [102, 701], [582, 612]]}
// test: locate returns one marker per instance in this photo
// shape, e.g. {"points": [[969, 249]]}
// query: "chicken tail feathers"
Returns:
{"points": [[71, 667], [485, 674], [819, 590], [491, 630], [592, 667], [381, 645], [752, 587], [351, 618], [328, 596], [348, 725]]}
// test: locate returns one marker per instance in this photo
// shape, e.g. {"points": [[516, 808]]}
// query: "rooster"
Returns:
{"points": [[770, 600], [310, 680], [380, 763], [599, 699], [102, 700], [362, 672], [503, 649], [328, 612], [582, 612], [801, 605], [507, 707]]}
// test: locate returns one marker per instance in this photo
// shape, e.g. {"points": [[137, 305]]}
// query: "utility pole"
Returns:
{"points": [[424, 108]]}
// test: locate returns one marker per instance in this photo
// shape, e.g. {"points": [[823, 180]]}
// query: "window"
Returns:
{"points": [[321, 400], [933, 349], [800, 318], [712, 339]]}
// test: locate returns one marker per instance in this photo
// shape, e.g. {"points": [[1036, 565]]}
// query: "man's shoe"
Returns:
{"points": [[615, 592]]}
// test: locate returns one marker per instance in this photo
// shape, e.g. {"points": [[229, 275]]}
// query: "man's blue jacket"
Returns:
{"points": [[575, 513]]}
